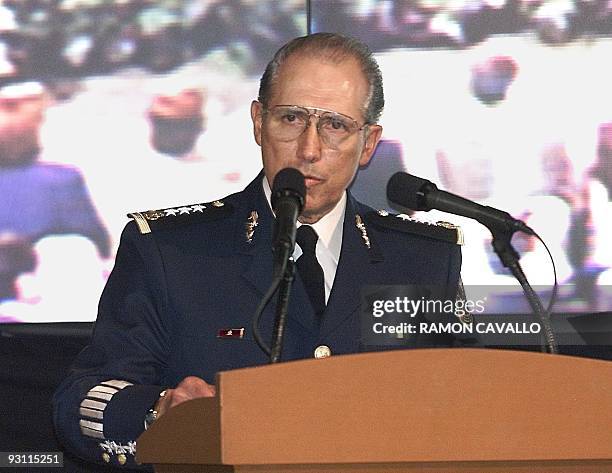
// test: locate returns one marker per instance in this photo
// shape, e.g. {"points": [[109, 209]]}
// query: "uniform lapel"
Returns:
{"points": [[257, 254], [255, 215], [355, 269]]}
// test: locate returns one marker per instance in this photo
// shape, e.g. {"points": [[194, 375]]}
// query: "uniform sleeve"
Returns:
{"points": [[99, 409]]}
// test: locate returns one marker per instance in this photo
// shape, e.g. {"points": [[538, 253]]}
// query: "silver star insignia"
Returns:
{"points": [[170, 212], [198, 208], [131, 447], [184, 210], [106, 446]]}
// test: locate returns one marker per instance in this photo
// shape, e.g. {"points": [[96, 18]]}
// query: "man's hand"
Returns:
{"points": [[191, 387]]}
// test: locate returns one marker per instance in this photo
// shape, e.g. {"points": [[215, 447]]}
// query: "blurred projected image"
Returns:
{"points": [[114, 106], [505, 102]]}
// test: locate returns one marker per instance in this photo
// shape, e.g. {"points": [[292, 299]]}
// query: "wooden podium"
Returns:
{"points": [[434, 410]]}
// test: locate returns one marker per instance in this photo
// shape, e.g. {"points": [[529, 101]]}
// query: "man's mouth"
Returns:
{"points": [[312, 181]]}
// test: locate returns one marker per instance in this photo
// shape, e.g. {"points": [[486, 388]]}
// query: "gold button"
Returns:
{"points": [[122, 459], [322, 351], [106, 457]]}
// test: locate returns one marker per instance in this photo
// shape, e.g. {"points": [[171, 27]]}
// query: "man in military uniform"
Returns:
{"points": [[37, 198], [178, 305]]}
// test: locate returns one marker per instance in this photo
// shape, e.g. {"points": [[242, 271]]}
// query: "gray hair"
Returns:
{"points": [[336, 48]]}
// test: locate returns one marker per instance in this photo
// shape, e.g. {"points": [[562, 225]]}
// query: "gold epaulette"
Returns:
{"points": [[180, 215], [405, 223]]}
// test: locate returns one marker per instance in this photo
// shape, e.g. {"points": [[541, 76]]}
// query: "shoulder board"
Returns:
{"points": [[404, 223], [173, 216]]}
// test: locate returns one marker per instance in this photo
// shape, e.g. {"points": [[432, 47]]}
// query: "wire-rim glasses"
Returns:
{"points": [[288, 122]]}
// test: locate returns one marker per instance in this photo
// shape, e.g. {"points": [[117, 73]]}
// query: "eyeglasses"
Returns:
{"points": [[288, 122]]}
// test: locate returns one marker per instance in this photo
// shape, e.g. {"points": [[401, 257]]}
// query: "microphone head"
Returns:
{"points": [[409, 191], [289, 182]]}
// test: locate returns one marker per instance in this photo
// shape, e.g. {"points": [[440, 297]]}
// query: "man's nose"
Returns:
{"points": [[309, 143]]}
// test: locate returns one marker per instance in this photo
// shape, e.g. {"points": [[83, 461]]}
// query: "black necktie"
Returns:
{"points": [[309, 268]]}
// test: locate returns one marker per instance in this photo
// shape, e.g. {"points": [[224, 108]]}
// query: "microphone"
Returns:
{"points": [[288, 195], [420, 194]]}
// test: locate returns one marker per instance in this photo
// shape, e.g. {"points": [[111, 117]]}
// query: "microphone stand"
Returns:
{"points": [[282, 306], [510, 259]]}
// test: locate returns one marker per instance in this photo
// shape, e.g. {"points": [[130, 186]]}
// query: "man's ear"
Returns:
{"points": [[257, 117], [374, 132]]}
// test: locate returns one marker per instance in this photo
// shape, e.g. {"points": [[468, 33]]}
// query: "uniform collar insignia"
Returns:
{"points": [[362, 228], [250, 225]]}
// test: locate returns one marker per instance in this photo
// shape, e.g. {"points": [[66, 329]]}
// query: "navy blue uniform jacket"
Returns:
{"points": [[173, 289]]}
